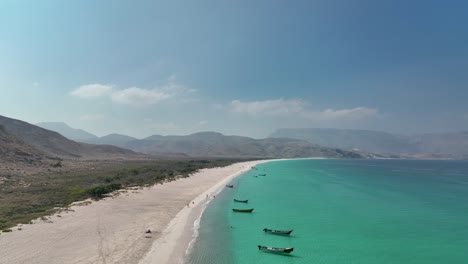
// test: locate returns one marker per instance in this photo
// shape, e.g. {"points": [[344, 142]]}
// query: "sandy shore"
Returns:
{"points": [[113, 229]]}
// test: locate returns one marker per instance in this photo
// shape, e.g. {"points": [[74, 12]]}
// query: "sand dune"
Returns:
{"points": [[113, 230]]}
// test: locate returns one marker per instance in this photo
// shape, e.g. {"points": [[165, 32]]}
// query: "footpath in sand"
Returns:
{"points": [[113, 229]]}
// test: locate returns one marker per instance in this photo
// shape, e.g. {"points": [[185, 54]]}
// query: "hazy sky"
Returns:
{"points": [[236, 67]]}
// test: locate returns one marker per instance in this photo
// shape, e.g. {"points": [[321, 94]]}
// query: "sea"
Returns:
{"points": [[341, 211]]}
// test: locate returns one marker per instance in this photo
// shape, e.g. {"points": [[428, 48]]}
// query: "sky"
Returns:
{"points": [[239, 67]]}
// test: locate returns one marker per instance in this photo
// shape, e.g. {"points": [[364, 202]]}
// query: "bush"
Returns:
{"points": [[100, 190]]}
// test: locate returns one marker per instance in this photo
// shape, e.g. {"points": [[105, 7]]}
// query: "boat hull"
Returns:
{"points": [[275, 250], [241, 201], [277, 232], [242, 210]]}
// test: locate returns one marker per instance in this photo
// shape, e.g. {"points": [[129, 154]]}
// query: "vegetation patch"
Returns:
{"points": [[42, 194]]}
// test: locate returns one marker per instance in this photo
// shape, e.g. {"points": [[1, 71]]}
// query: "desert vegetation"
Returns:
{"points": [[24, 198]]}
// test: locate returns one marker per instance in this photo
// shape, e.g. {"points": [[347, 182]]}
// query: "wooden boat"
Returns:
{"points": [[277, 232], [229, 185], [241, 201], [275, 250], [242, 210]]}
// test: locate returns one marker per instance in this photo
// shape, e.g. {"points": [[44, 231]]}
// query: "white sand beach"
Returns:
{"points": [[113, 229]]}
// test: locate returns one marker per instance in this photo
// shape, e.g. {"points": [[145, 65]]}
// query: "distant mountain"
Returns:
{"points": [[112, 139], [451, 145], [54, 144], [67, 131], [366, 140], [212, 144], [454, 143]]}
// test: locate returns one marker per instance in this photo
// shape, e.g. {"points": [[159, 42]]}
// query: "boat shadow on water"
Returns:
{"points": [[290, 255]]}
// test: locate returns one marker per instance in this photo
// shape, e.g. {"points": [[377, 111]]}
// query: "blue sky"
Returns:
{"points": [[237, 67]]}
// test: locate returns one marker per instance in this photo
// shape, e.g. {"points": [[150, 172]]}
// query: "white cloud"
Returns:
{"points": [[298, 108], [92, 117], [343, 114], [268, 107], [92, 90], [202, 123], [135, 95]]}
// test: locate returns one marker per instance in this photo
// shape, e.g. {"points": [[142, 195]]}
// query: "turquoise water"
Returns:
{"points": [[342, 211]]}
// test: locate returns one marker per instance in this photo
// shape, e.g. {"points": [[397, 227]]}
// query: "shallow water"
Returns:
{"points": [[342, 211]]}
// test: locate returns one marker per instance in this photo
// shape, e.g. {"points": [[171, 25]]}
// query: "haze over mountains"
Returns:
{"points": [[450, 145]]}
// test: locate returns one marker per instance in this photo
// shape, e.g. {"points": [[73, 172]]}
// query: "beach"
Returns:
{"points": [[113, 230]]}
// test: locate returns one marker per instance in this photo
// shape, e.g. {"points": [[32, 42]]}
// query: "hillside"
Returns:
{"points": [[67, 131], [449, 145], [14, 150], [54, 144]]}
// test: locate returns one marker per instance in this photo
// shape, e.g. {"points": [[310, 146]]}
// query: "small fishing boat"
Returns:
{"points": [[230, 185], [275, 250], [262, 174], [241, 201], [242, 210], [277, 232]]}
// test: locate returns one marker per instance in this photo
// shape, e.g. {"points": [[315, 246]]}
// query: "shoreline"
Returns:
{"points": [[176, 243], [112, 230]]}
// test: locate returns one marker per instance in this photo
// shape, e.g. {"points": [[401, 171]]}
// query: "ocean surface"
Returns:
{"points": [[342, 211]]}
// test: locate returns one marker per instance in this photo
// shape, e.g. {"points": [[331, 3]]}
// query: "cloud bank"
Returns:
{"points": [[92, 90], [134, 95], [268, 107], [298, 108]]}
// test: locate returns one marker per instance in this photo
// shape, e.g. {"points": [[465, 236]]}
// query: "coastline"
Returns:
{"points": [[112, 230], [176, 241]]}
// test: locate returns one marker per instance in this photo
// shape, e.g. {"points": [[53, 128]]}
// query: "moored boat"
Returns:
{"points": [[262, 174], [241, 201], [277, 232], [242, 210], [229, 185], [275, 250]]}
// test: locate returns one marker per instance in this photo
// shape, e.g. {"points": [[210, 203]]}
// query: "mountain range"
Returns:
{"points": [[429, 145], [41, 144], [449, 145]]}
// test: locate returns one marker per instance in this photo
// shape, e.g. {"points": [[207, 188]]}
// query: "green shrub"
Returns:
{"points": [[100, 190]]}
